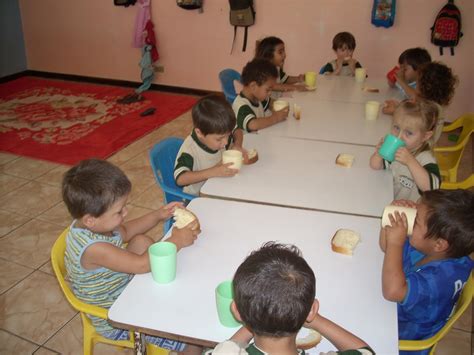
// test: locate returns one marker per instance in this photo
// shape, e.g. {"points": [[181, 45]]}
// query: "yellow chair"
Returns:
{"points": [[463, 302], [449, 157], [91, 337], [465, 184]]}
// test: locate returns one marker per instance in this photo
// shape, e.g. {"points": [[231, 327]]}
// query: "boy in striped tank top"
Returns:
{"points": [[98, 262]]}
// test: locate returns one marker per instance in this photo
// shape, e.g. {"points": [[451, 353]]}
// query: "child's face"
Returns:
{"points": [[214, 141], [344, 52], [417, 239], [113, 217], [262, 92], [279, 55], [409, 129], [409, 74]]}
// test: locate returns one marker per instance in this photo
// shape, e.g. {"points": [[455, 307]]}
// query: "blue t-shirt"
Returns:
{"points": [[412, 85], [433, 290]]}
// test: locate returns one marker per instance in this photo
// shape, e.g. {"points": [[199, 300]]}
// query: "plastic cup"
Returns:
{"points": [[163, 261], [297, 111], [360, 74], [372, 110], [390, 146], [233, 156], [409, 212], [310, 79], [392, 75], [279, 105], [224, 297]]}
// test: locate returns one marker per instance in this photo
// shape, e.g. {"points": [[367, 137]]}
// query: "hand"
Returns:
{"points": [[281, 115], [223, 170], [244, 152], [166, 212], [396, 233], [301, 77], [184, 237], [400, 75], [404, 156], [301, 87], [339, 62], [379, 144], [389, 107], [404, 203]]}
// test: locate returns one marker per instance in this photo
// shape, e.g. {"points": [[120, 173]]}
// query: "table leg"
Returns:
{"points": [[139, 345]]}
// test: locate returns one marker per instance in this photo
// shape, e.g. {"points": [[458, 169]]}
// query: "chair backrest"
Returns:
{"points": [[465, 184], [467, 128], [227, 78]]}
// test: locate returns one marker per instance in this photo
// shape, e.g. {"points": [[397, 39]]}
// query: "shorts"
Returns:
{"points": [[121, 334]]}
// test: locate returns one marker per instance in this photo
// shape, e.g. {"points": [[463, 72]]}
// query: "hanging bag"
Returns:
{"points": [[446, 29], [383, 13], [242, 14], [190, 4]]}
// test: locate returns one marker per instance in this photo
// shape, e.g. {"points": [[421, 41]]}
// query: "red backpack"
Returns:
{"points": [[446, 29]]}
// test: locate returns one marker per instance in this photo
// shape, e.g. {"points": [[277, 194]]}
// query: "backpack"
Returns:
{"points": [[242, 14], [190, 4], [383, 13], [125, 3], [446, 29]]}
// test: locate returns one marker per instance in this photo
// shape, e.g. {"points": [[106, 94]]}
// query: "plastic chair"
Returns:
{"points": [[91, 337], [227, 78], [449, 157], [162, 159], [465, 184], [464, 301]]}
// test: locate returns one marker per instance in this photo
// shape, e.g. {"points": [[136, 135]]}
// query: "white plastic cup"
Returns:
{"points": [[360, 74], [409, 212], [372, 110], [233, 156], [279, 105]]}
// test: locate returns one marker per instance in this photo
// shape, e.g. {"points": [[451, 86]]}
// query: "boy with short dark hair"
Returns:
{"points": [[200, 156], [274, 290], [425, 272], [343, 45]]}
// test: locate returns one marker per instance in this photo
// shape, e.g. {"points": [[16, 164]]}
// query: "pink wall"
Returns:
{"points": [[93, 38]]}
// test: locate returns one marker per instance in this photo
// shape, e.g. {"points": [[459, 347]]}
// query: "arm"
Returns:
{"points": [[191, 177], [420, 175], [389, 107], [295, 79], [376, 161], [409, 91], [353, 64], [263, 122]]}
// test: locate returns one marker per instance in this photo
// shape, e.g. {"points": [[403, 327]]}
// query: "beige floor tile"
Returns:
{"points": [[7, 157], [138, 165], [35, 308], [47, 268], [9, 183], [465, 322], [30, 245], [27, 168], [151, 198], [57, 214], [31, 199], [140, 183], [456, 342], [11, 273], [9, 221], [44, 351], [11, 344], [54, 176]]}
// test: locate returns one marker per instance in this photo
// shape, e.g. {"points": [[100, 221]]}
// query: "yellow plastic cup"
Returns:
{"points": [[310, 79]]}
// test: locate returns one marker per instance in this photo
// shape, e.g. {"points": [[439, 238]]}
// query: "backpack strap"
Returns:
{"points": [[233, 41], [440, 50], [244, 47], [452, 50]]}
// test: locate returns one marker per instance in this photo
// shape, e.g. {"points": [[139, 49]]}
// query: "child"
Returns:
{"points": [[343, 45], [425, 272], [200, 156], [273, 50], [414, 168], [410, 62], [98, 262], [274, 290]]}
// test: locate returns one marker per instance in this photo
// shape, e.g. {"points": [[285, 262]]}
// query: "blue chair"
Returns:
{"points": [[162, 159], [227, 78]]}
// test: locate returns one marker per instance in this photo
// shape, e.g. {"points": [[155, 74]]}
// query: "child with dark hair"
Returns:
{"points": [[102, 250], [200, 156], [425, 272], [343, 45], [274, 290]]}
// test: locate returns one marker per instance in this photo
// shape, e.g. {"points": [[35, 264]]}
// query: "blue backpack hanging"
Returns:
{"points": [[383, 13]]}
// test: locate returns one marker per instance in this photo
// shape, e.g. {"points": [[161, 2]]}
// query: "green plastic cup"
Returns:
{"points": [[390, 146], [224, 297], [163, 261]]}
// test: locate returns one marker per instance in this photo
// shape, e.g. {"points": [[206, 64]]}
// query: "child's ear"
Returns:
{"points": [[235, 311], [428, 135], [313, 311], [199, 133], [88, 221], [441, 245]]}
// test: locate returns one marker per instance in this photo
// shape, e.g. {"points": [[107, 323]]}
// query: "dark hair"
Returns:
{"points": [[436, 82], [212, 114], [344, 38], [258, 70], [266, 47], [451, 217], [415, 57], [92, 186], [274, 289]]}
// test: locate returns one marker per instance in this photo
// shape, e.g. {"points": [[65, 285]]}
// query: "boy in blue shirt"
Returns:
{"points": [[426, 272]]}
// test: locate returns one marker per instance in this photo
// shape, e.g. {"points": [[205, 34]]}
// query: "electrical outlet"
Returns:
{"points": [[159, 68]]}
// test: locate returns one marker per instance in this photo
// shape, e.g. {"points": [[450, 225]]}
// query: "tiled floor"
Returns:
{"points": [[34, 315]]}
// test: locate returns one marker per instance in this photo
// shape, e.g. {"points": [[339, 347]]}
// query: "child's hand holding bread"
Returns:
{"points": [[186, 228]]}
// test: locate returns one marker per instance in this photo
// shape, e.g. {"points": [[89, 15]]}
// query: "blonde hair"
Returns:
{"points": [[427, 112]]}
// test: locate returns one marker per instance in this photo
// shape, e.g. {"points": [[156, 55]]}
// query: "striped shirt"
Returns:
{"points": [[246, 110]]}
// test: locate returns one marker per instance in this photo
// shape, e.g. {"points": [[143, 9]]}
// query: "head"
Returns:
{"points": [[95, 192], [436, 82], [343, 44], [445, 223], [258, 78], [414, 122], [271, 49], [274, 290], [410, 61], [213, 120]]}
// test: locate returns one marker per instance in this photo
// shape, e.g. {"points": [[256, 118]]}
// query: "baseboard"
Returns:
{"points": [[106, 81]]}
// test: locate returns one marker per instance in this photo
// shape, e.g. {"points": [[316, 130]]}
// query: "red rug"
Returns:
{"points": [[65, 122]]}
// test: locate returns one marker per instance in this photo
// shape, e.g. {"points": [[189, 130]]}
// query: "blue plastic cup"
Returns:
{"points": [[390, 146]]}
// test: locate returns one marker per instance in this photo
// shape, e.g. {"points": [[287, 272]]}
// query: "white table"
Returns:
{"points": [[348, 288], [303, 174]]}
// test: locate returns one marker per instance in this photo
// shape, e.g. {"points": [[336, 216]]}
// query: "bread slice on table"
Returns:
{"points": [[345, 160], [252, 157], [307, 339], [183, 217], [345, 241]]}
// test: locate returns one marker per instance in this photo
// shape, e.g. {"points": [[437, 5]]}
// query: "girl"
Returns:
{"points": [[415, 168], [273, 50]]}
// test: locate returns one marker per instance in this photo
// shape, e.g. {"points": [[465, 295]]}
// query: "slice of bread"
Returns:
{"points": [[345, 241], [370, 89], [345, 160], [307, 339], [252, 157], [183, 217]]}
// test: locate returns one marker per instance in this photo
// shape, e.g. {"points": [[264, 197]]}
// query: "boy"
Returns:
{"points": [[103, 251], [274, 290], [343, 45], [200, 156], [425, 272]]}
